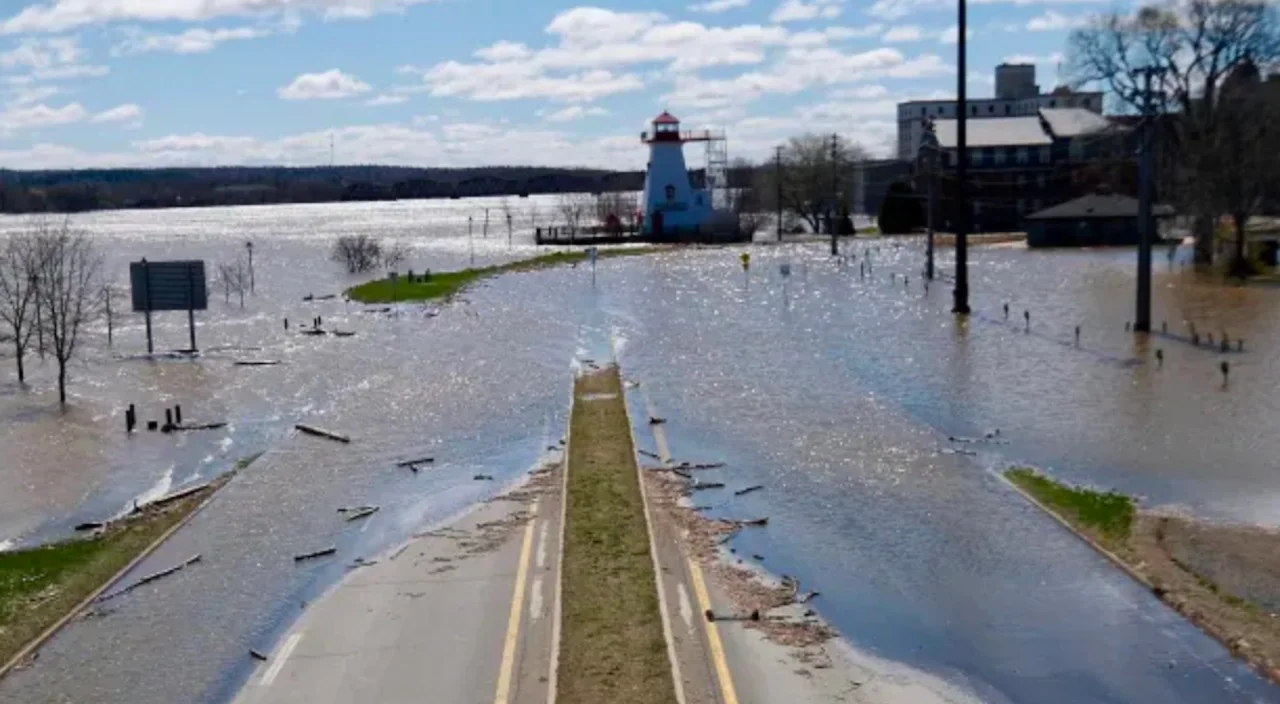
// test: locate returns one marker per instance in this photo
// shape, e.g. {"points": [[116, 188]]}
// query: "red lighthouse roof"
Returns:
{"points": [[666, 118]]}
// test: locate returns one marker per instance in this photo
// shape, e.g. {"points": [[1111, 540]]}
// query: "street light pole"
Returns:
{"points": [[835, 195], [929, 147], [961, 294], [1142, 317], [252, 286], [777, 177]]}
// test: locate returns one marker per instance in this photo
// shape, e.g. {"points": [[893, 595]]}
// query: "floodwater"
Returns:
{"points": [[837, 392]]}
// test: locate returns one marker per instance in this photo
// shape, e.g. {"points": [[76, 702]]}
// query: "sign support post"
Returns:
{"points": [[191, 305], [146, 302]]}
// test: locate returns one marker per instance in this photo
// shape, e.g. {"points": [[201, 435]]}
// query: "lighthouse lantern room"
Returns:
{"points": [[671, 202]]}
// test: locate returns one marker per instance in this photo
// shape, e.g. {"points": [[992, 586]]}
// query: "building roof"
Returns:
{"points": [[666, 118], [994, 132], [1073, 122], [1097, 205]]}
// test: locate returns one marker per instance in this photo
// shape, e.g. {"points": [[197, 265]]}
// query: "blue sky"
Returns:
{"points": [[89, 83]]}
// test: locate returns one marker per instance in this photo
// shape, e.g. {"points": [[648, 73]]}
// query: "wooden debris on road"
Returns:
{"points": [[362, 512], [180, 494], [651, 455], [655, 420], [696, 486], [414, 463], [199, 426], [748, 490], [317, 553], [483, 477], [344, 333], [90, 525], [712, 616], [321, 432], [258, 655], [752, 522], [256, 362], [151, 578]]}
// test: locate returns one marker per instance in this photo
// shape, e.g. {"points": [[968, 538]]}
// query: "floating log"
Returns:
{"points": [[90, 525], [256, 362], [748, 490], [320, 432], [350, 509], [806, 598], [257, 655], [655, 420], [152, 577], [752, 522], [651, 455], [696, 486], [483, 478], [420, 460], [705, 465], [682, 474], [314, 331], [318, 553], [364, 512], [327, 297], [344, 333], [179, 495], [199, 426]]}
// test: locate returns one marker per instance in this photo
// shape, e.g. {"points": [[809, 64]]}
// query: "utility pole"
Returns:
{"points": [[835, 195], [252, 284], [777, 177], [1146, 168], [929, 145], [960, 305]]}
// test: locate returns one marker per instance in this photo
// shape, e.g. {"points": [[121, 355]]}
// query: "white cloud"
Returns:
{"points": [[862, 32], [868, 92], [718, 5], [903, 33], [192, 41], [41, 115], [894, 9], [52, 59], [63, 15], [127, 113], [386, 99], [1054, 58], [800, 69], [590, 44], [1052, 21], [329, 85], [796, 10], [951, 35], [574, 112], [30, 95]]}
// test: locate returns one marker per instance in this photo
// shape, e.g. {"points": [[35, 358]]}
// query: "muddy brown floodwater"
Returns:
{"points": [[837, 393]]}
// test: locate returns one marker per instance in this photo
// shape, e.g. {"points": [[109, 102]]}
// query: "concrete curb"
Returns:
{"points": [[677, 679], [1112, 557], [557, 601], [61, 623]]}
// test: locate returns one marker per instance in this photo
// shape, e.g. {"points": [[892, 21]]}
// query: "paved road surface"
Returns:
{"points": [[461, 614]]}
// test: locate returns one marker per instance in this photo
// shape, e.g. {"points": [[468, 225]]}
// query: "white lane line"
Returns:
{"points": [[542, 545], [281, 657], [535, 600], [686, 606]]}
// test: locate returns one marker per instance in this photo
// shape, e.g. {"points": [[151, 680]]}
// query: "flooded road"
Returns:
{"points": [[837, 392]]}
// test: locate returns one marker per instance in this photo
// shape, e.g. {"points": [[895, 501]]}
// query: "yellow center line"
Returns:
{"points": [[513, 621], [728, 694]]}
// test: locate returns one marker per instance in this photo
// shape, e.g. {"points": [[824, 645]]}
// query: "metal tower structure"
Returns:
{"points": [[716, 164]]}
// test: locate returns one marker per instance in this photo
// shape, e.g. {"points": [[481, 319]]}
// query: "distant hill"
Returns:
{"points": [[107, 189]]}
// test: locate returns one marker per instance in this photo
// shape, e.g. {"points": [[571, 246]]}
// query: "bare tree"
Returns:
{"points": [[623, 205], [18, 294], [816, 182], [69, 290], [573, 206], [359, 253], [1187, 48], [394, 254], [1241, 159], [746, 200], [235, 279]]}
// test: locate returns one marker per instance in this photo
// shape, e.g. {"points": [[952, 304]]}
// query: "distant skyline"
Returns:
{"points": [[118, 83]]}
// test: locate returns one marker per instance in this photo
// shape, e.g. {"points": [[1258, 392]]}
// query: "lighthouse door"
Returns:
{"points": [[656, 223]]}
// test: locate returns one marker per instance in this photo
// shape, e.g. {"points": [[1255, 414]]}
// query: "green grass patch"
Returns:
{"points": [[611, 648], [446, 284], [1106, 515], [40, 585]]}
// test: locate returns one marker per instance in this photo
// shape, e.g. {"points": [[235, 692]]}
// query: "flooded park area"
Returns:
{"points": [[875, 420]]}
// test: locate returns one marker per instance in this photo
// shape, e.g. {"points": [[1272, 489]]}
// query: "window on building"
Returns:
{"points": [[998, 159], [1053, 103], [924, 111], [991, 109], [1008, 109], [1022, 155], [1044, 155], [988, 156], [973, 109], [1040, 180], [1022, 206]]}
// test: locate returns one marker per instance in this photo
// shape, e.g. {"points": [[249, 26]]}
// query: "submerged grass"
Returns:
{"points": [[612, 647], [40, 585], [445, 284], [1107, 515]]}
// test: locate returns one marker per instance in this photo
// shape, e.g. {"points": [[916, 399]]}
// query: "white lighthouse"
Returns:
{"points": [[671, 203]]}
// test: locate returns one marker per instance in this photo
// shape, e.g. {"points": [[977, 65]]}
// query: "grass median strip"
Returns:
{"points": [[445, 284], [612, 647], [41, 585], [1106, 516]]}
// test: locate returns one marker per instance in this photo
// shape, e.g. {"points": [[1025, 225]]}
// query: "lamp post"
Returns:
{"points": [[928, 159], [249, 246], [960, 305]]}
